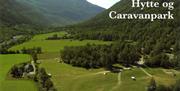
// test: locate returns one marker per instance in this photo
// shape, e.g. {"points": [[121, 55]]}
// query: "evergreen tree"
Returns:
{"points": [[152, 85]]}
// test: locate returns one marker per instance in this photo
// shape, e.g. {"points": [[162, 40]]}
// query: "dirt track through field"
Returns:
{"points": [[146, 72], [92, 74], [118, 82], [104, 72], [34, 67]]}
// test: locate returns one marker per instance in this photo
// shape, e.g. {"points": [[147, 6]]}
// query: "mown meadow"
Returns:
{"points": [[8, 84], [69, 78], [52, 48]]}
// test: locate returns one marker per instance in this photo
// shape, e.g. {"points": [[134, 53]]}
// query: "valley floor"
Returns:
{"points": [[68, 78]]}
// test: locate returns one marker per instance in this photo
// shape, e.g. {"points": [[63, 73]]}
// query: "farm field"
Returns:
{"points": [[54, 45], [164, 76], [51, 48], [68, 78], [6, 62]]}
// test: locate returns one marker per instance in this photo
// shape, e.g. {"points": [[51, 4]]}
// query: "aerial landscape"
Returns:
{"points": [[75, 45]]}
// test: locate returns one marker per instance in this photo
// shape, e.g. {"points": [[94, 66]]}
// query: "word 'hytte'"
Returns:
{"points": [[142, 5]]}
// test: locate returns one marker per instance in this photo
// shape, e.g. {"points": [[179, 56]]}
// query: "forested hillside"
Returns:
{"points": [[63, 12], [14, 13], [135, 29], [104, 28], [18, 19], [46, 12], [157, 40], [34, 16], [124, 6]]}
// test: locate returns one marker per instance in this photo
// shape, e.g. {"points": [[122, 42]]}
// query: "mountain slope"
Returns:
{"points": [[63, 12], [14, 13], [156, 40], [136, 29], [159, 34], [33, 16], [46, 12], [124, 6]]}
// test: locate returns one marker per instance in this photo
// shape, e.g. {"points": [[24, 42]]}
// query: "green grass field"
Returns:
{"points": [[54, 45], [68, 78], [6, 62], [164, 76], [52, 48]]}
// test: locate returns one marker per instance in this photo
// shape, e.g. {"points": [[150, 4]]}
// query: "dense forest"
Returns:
{"points": [[96, 56]]}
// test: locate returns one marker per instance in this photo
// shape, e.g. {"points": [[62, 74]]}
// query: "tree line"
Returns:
{"points": [[56, 37], [122, 52], [37, 50], [12, 42], [95, 56]]}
